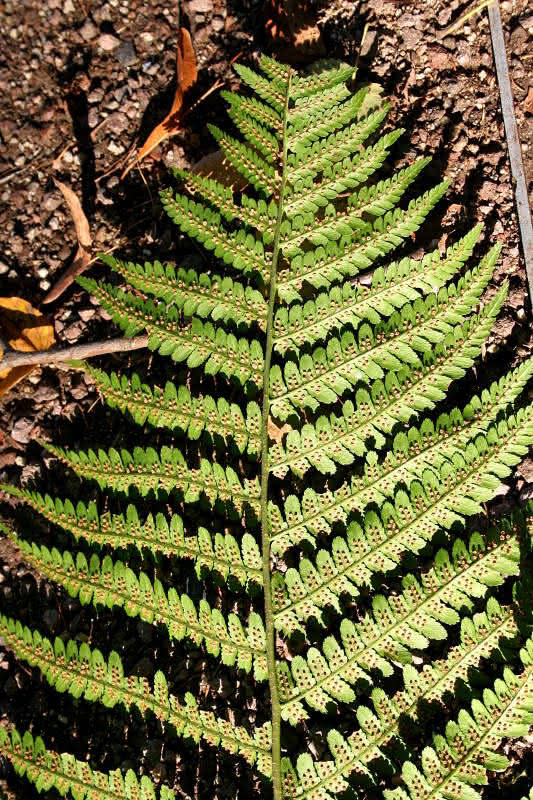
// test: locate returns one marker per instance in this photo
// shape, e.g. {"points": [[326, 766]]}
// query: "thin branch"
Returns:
{"points": [[460, 22], [77, 352], [513, 141]]}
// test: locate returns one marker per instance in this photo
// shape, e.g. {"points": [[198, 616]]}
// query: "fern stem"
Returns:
{"points": [[265, 472]]}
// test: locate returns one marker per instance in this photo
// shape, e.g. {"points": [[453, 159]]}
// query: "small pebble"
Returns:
{"points": [[126, 54], [88, 30], [108, 42], [52, 201], [22, 430], [95, 96], [201, 6], [115, 149]]}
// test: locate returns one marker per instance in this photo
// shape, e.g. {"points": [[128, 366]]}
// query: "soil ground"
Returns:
{"points": [[80, 81]]}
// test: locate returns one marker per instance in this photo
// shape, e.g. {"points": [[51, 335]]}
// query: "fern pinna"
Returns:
{"points": [[311, 477]]}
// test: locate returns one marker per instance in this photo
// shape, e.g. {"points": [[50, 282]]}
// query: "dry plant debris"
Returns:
{"points": [[186, 77], [25, 329], [83, 234]]}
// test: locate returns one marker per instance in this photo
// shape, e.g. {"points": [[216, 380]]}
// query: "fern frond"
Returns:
{"points": [[260, 173], [318, 102], [268, 90], [147, 470], [461, 757], [321, 120], [337, 260], [195, 294], [400, 398], [198, 343], [339, 177], [305, 86], [397, 626], [176, 408], [457, 489], [325, 374], [373, 200], [84, 672], [216, 552], [250, 212], [48, 769], [413, 449], [304, 591], [258, 136], [353, 519], [309, 162], [111, 583], [352, 561], [404, 281], [242, 250], [482, 636], [252, 107], [275, 70]]}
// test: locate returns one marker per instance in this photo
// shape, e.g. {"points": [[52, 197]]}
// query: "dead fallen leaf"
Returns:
{"points": [[12, 377], [372, 100], [187, 74], [216, 165], [528, 102], [24, 328], [276, 434], [526, 469], [83, 235], [293, 29]]}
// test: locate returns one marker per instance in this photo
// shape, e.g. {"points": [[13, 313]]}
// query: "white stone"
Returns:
{"points": [[108, 42]]}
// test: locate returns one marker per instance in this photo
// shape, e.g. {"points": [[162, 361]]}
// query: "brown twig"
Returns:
{"points": [[77, 352], [461, 22], [513, 141]]}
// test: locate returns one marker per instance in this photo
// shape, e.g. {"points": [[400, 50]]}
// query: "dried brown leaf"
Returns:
{"points": [[83, 235], [187, 74], [216, 165], [528, 102], [276, 434], [11, 377], [24, 328], [79, 265]]}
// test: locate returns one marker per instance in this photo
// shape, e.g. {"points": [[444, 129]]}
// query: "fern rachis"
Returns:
{"points": [[318, 482]]}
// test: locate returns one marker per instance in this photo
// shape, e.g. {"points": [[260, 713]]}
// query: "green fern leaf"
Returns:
{"points": [[46, 769], [85, 672], [112, 583], [395, 628], [306, 459], [175, 408], [200, 295], [221, 554]]}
